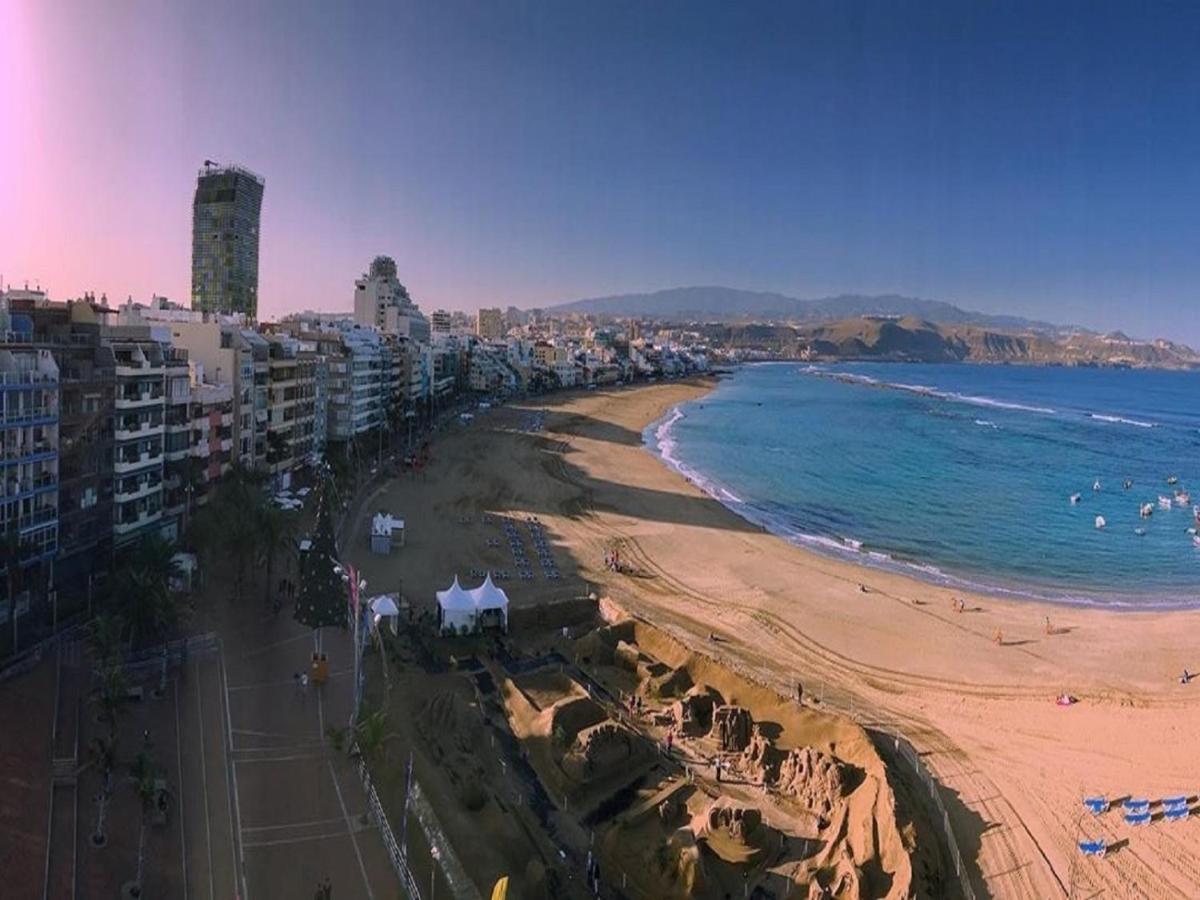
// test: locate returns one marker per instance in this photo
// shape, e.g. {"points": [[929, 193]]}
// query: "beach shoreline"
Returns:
{"points": [[658, 433], [971, 684]]}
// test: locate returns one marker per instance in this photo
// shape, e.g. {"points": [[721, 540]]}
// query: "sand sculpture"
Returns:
{"points": [[814, 778], [693, 712], [731, 727], [733, 831]]}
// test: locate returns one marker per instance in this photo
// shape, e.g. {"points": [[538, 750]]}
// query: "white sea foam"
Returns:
{"points": [[984, 423], [1120, 420], [926, 391]]}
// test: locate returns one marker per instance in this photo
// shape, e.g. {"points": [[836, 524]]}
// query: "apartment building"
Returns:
{"points": [[139, 432], [291, 399], [29, 416]]}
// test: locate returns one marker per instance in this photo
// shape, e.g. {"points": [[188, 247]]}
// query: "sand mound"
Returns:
{"points": [[815, 779], [447, 719], [600, 750], [734, 831]]}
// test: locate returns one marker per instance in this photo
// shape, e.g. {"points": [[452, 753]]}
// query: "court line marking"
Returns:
{"points": [[204, 777], [249, 828], [179, 763], [300, 840], [272, 759], [265, 647], [342, 803], [236, 808]]}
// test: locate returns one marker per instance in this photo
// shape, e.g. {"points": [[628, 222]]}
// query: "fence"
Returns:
{"points": [[395, 853]]}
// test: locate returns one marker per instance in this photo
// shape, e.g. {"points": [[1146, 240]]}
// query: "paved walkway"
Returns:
{"points": [[270, 810]]}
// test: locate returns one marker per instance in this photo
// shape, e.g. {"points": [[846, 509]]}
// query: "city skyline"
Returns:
{"points": [[1035, 162]]}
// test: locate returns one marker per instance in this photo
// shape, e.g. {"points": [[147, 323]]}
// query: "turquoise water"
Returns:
{"points": [[962, 474]]}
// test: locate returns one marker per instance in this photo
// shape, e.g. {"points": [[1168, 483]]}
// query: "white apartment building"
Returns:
{"points": [[382, 302]]}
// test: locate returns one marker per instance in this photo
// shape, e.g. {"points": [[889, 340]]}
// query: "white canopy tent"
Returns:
{"points": [[385, 606], [456, 609], [491, 604], [460, 610]]}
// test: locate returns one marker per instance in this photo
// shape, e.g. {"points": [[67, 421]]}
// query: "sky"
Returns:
{"points": [[1038, 159]]}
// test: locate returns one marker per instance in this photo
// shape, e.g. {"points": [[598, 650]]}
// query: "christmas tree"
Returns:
{"points": [[322, 599]]}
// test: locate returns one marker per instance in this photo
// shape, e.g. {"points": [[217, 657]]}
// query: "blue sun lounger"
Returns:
{"points": [[1175, 813], [1093, 848], [1174, 802], [1137, 806], [1137, 818], [1096, 805]]}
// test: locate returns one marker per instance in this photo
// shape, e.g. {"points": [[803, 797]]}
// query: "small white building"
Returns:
{"points": [[384, 531]]}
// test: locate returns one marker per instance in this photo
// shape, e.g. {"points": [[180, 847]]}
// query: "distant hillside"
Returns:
{"points": [[723, 304], [917, 340]]}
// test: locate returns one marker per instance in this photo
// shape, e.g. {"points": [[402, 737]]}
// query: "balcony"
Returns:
{"points": [[37, 416], [133, 523], [227, 419], [144, 368], [200, 449], [39, 518], [142, 429], [26, 453], [177, 454], [137, 399], [13, 488], [226, 444], [129, 462], [126, 494]]}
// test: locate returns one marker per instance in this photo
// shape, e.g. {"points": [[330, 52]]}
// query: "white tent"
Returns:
{"points": [[385, 606], [491, 604], [456, 609], [383, 528]]}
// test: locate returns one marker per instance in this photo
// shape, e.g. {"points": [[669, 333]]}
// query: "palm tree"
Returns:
{"points": [[103, 751], [275, 529], [145, 775], [106, 636], [11, 552], [371, 738], [144, 589], [111, 693], [230, 522]]}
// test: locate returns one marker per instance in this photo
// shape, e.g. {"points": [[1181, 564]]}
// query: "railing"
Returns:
{"points": [[395, 852]]}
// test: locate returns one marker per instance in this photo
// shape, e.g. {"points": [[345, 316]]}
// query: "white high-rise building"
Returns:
{"points": [[382, 302]]}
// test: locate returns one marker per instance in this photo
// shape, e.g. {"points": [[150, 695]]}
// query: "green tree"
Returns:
{"points": [[110, 694], [11, 553], [276, 529], [145, 774], [228, 530], [103, 752], [105, 637], [371, 738], [143, 590], [322, 600]]}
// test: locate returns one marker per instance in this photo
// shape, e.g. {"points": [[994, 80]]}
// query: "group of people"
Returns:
{"points": [[612, 560]]}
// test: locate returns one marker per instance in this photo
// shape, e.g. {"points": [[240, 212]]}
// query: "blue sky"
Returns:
{"points": [[1030, 158]]}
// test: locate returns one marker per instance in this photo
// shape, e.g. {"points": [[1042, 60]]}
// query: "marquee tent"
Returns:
{"points": [[491, 604], [456, 609]]}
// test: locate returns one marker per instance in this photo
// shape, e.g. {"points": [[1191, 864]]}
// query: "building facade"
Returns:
{"points": [[226, 212], [489, 324], [382, 302]]}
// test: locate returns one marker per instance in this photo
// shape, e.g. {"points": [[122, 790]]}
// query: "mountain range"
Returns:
{"points": [[724, 304]]}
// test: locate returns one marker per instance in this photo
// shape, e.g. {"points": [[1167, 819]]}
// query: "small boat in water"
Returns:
{"points": [[1140, 532], [1173, 479], [1096, 485], [1127, 484], [1100, 522], [1146, 510], [1075, 498], [1164, 502], [1183, 498]]}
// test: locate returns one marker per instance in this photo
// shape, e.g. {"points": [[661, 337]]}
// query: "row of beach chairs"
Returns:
{"points": [[1135, 811]]}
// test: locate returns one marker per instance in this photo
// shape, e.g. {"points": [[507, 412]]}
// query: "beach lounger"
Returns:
{"points": [[1093, 848], [1174, 802], [1176, 813], [1137, 806], [1096, 805], [1137, 818]]}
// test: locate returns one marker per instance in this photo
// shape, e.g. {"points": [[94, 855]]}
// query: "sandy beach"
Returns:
{"points": [[1013, 765]]}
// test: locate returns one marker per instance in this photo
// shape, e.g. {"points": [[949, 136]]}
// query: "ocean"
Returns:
{"points": [[962, 474]]}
